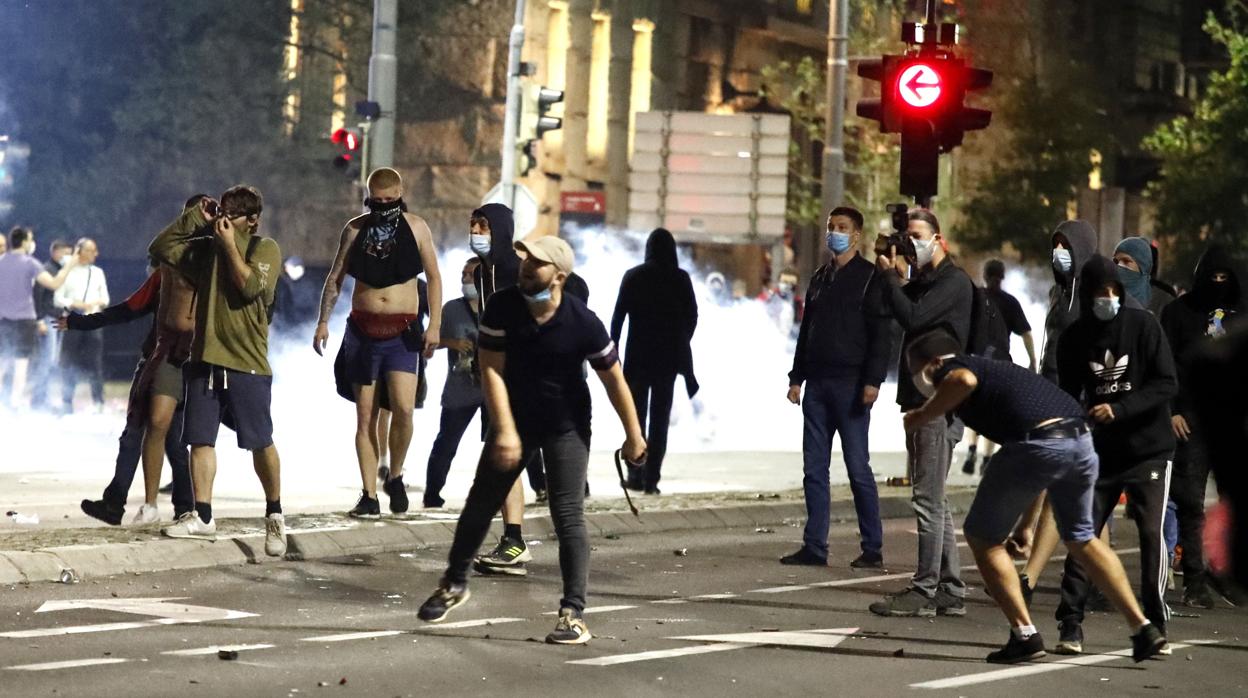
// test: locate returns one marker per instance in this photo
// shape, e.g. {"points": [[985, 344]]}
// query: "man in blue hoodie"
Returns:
{"points": [[1115, 358]]}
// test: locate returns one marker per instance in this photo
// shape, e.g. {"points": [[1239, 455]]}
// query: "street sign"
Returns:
{"points": [[524, 213], [919, 85], [167, 611]]}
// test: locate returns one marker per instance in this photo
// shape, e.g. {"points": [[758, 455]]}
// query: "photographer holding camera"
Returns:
{"points": [[938, 293]]}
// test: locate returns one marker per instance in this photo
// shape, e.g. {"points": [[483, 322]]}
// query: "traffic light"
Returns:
{"points": [[348, 141], [534, 123]]}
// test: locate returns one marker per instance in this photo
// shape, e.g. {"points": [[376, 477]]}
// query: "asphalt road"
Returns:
{"points": [[779, 631]]}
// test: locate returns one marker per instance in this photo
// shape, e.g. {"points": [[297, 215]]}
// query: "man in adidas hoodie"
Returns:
{"points": [[1194, 320], [1116, 359]]}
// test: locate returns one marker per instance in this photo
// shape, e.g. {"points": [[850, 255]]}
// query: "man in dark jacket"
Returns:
{"points": [[1074, 243], [842, 357], [1191, 322], [940, 293], [657, 299], [1115, 358]]}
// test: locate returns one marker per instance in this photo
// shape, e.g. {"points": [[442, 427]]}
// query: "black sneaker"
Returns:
{"points": [[570, 630], [948, 605], [542, 497], [508, 558], [366, 508], [98, 509], [804, 557], [1017, 650], [1147, 643], [968, 466], [1070, 637], [910, 602], [868, 561], [446, 598], [653, 491], [434, 502], [1024, 582], [397, 491], [1197, 595]]}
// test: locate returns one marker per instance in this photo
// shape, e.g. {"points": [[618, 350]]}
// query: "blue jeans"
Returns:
{"points": [[1170, 527], [834, 406]]}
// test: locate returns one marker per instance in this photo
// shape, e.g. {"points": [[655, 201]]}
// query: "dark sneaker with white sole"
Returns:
{"points": [[1017, 650], [868, 561], [1148, 642], [446, 598], [948, 605], [508, 558], [397, 491], [1070, 637], [804, 557], [366, 508], [570, 630], [99, 509], [908, 603]]}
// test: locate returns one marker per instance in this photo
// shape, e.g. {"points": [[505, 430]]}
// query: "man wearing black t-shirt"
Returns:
{"points": [[1045, 446], [533, 340]]}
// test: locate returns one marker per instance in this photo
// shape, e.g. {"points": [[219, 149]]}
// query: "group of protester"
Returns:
{"points": [[1109, 414]]}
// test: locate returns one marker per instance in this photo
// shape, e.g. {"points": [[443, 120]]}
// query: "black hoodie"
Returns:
{"points": [[1206, 312], [657, 297], [1125, 363], [501, 267], [1063, 297]]}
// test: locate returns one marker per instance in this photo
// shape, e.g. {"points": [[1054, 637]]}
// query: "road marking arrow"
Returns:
{"points": [[167, 612], [817, 639]]}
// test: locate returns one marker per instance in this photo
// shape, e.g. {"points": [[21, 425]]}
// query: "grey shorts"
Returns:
{"points": [[1066, 468], [167, 381]]}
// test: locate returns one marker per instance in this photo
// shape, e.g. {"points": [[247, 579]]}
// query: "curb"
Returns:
{"points": [[95, 561]]}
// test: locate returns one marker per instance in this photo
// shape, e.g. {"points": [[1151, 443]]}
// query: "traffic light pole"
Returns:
{"points": [[834, 125], [511, 118], [382, 79]]}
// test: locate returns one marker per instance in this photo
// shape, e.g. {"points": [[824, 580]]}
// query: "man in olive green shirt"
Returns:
{"points": [[234, 272]]}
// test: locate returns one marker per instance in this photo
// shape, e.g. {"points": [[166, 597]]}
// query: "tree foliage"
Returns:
{"points": [[1202, 194]]}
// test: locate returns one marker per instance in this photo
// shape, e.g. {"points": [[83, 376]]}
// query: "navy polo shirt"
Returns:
{"points": [[543, 369], [1008, 400]]}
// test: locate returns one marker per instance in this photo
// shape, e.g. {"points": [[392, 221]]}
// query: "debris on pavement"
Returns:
{"points": [[68, 576], [681, 552], [227, 655], [23, 519]]}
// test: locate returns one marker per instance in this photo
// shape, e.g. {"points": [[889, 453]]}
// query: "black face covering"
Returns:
{"points": [[388, 211]]}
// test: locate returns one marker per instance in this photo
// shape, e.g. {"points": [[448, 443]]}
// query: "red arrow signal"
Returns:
{"points": [[919, 85]]}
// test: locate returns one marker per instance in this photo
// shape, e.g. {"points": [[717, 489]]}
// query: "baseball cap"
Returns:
{"points": [[549, 249]]}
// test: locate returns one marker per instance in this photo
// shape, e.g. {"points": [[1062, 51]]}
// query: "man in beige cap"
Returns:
{"points": [[533, 340]]}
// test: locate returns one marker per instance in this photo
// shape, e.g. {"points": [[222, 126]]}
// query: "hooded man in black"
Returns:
{"points": [[1074, 243], [657, 298], [1191, 322], [1116, 359]]}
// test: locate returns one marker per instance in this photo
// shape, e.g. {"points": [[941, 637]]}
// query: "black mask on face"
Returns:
{"points": [[387, 211]]}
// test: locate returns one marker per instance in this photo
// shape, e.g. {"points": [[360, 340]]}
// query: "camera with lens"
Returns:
{"points": [[898, 239]]}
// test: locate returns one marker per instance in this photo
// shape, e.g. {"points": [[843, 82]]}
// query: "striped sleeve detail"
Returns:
{"points": [[492, 339], [602, 360]]}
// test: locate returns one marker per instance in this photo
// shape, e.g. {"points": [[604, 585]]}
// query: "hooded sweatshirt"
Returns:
{"points": [[1063, 297], [1125, 363], [657, 298], [499, 269], [1202, 315], [1137, 283], [231, 324]]}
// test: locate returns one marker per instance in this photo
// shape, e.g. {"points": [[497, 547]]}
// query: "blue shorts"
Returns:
{"points": [[367, 359], [1066, 468], [216, 396]]}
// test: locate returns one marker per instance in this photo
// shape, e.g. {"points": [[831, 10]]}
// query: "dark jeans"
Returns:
{"points": [[130, 452], [652, 395], [1147, 486], [1187, 490], [930, 450], [82, 358], [830, 407], [567, 459], [454, 423]]}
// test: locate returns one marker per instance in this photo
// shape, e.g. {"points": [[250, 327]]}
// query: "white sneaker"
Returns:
{"points": [[189, 525], [275, 535], [148, 514]]}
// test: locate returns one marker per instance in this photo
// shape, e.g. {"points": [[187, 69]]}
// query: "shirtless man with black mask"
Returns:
{"points": [[384, 250]]}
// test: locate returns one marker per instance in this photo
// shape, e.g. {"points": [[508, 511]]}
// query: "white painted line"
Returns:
{"points": [[78, 629], [595, 609], [352, 636], [712, 597], [779, 590], [820, 639], [864, 580], [473, 623], [658, 654], [670, 602], [1044, 668], [48, 666], [214, 649]]}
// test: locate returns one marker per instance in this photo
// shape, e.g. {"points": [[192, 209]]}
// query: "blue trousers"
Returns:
{"points": [[830, 407]]}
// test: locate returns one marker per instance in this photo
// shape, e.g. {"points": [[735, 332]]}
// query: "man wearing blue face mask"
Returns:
{"points": [[1116, 359], [842, 357]]}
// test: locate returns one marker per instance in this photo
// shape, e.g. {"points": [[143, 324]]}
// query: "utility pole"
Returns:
{"points": [[511, 118], [834, 125], [382, 78]]}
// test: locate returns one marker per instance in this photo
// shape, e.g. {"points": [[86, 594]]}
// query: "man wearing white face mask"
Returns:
{"points": [[939, 293], [1116, 358]]}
